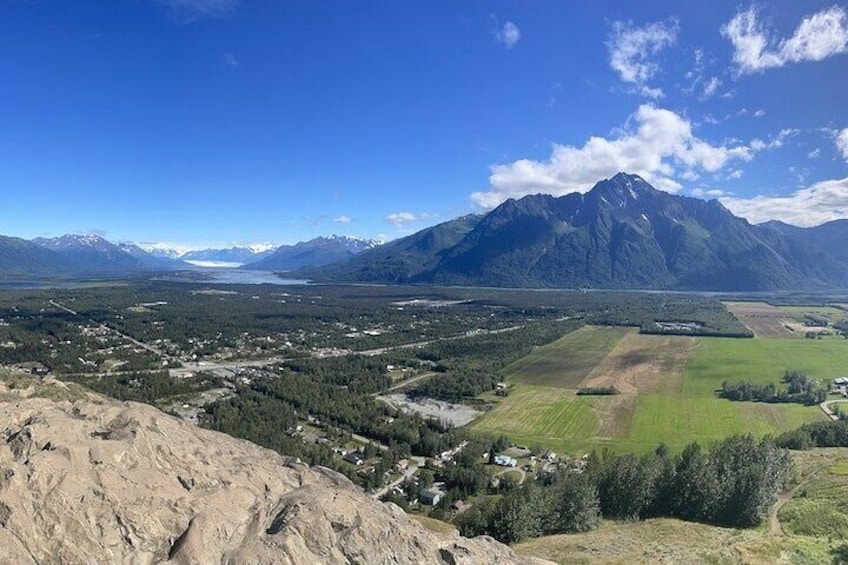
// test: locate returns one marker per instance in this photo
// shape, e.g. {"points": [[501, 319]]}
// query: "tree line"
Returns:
{"points": [[800, 388], [734, 484]]}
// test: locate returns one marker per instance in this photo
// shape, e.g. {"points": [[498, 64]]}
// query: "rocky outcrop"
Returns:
{"points": [[84, 479]]}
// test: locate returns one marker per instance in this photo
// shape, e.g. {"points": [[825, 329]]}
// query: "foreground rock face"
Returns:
{"points": [[84, 479]]}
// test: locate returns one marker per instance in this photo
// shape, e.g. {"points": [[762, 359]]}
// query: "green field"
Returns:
{"points": [[829, 312], [567, 361], [676, 407]]}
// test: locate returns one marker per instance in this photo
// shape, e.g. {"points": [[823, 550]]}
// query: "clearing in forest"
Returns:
{"points": [[567, 361], [763, 319]]}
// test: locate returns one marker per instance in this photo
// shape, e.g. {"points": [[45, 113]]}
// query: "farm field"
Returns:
{"points": [[768, 321], [667, 388], [806, 525], [567, 361], [763, 319]]}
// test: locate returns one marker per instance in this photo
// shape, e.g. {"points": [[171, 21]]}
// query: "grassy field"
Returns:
{"points": [[567, 361], [668, 387], [809, 524]]}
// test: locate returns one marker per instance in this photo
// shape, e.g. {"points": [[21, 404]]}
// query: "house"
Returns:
{"points": [[505, 461], [459, 506], [353, 457], [430, 497], [549, 456], [40, 370], [840, 381]]}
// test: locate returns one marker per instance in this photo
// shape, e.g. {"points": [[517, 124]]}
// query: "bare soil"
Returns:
{"points": [[763, 319], [643, 363]]}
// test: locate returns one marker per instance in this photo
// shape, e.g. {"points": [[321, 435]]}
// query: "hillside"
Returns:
{"points": [[621, 234], [91, 254], [22, 258], [89, 480], [399, 261], [805, 526], [313, 253]]}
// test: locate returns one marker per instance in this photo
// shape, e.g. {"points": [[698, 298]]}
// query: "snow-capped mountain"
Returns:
{"points": [[91, 253], [314, 253], [233, 256]]}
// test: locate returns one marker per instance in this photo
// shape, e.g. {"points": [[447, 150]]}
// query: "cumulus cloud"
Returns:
{"points": [[842, 143], [823, 202], [343, 219], [509, 34], [710, 193], [192, 10], [657, 142], [400, 219], [632, 51], [818, 36]]}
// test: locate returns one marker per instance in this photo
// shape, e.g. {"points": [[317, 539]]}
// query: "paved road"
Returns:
{"points": [[381, 350], [122, 335], [414, 464]]}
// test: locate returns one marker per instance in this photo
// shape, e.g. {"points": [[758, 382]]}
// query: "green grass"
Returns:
{"points": [[679, 420], [716, 360], [829, 312], [819, 506], [554, 417], [840, 468], [812, 523], [567, 361], [548, 415]]}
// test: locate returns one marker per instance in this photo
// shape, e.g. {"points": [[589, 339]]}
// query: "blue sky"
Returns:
{"points": [[206, 122]]}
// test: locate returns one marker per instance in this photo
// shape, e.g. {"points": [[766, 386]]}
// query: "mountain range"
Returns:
{"points": [[71, 256], [313, 253], [621, 234]]}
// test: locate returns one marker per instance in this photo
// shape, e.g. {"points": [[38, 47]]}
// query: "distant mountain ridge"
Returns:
{"points": [[91, 254], [314, 253], [235, 254], [622, 234], [74, 255]]}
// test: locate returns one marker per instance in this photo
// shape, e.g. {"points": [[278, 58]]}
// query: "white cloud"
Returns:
{"points": [[661, 141], [776, 141], [759, 113], [842, 143], [509, 35], [632, 50], [712, 193], [814, 154], [823, 202], [711, 87], [818, 36], [230, 60], [400, 219], [342, 220]]}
